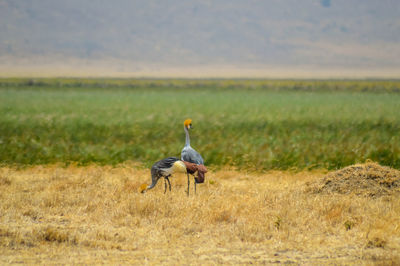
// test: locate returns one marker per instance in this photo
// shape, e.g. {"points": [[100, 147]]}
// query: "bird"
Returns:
{"points": [[164, 168], [192, 159]]}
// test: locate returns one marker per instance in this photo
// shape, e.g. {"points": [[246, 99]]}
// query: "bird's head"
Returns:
{"points": [[188, 123], [143, 188]]}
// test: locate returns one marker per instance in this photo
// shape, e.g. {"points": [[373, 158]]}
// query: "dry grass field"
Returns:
{"points": [[95, 214]]}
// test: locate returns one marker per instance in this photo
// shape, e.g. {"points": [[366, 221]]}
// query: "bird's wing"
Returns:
{"points": [[202, 168], [190, 155], [190, 167], [166, 163]]}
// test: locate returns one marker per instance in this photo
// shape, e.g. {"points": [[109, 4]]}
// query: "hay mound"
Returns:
{"points": [[369, 179]]}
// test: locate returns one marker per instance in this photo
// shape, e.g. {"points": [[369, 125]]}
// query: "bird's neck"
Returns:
{"points": [[187, 137]]}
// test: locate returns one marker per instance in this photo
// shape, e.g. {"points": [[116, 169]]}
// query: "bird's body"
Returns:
{"points": [[190, 155], [165, 168]]}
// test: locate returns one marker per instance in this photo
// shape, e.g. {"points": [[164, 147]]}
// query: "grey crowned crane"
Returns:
{"points": [[164, 168], [192, 159]]}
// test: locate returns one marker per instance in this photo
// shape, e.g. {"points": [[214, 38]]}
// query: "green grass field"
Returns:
{"points": [[251, 124]]}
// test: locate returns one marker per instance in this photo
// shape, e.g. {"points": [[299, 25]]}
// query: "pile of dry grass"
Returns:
{"points": [[369, 179]]}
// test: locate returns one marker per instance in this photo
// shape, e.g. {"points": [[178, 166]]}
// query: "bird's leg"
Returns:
{"points": [[195, 183], [169, 183], [165, 184], [188, 184]]}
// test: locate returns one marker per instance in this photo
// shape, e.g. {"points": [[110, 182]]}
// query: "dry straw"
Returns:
{"points": [[93, 215], [369, 179]]}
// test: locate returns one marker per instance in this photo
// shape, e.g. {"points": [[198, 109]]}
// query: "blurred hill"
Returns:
{"points": [[128, 36]]}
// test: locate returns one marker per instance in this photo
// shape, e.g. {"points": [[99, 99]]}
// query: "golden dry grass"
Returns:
{"points": [[369, 179], [96, 215]]}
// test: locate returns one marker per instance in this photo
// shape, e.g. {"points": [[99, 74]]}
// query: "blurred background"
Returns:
{"points": [[199, 38]]}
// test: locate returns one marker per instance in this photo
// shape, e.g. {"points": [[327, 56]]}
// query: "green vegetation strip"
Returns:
{"points": [[108, 121], [214, 84]]}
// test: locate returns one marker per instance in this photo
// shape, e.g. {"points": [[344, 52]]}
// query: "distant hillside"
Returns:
{"points": [[315, 34]]}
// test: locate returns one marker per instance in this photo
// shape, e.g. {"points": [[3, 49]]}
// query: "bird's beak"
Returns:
{"points": [[190, 126]]}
